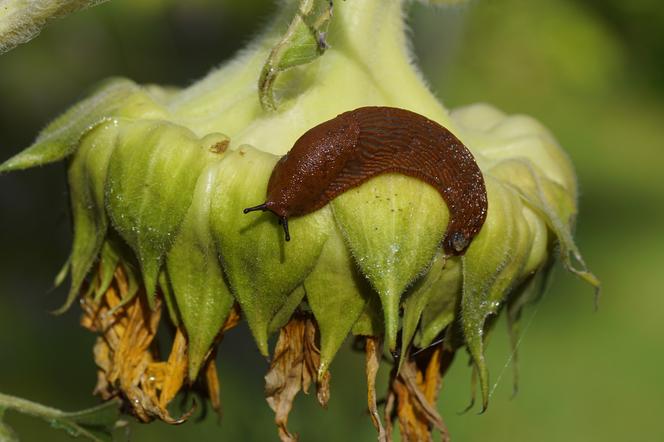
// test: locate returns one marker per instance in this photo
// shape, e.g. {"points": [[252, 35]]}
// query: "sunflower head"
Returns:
{"points": [[161, 182]]}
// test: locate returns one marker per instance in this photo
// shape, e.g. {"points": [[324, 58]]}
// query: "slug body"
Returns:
{"points": [[348, 150]]}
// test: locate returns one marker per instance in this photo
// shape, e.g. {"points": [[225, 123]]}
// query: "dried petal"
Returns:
{"points": [[212, 383], [293, 368], [373, 349], [413, 391], [126, 354]]}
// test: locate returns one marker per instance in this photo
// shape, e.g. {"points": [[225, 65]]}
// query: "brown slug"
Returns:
{"points": [[348, 150]]}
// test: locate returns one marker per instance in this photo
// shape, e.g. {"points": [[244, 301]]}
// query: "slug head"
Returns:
{"points": [[283, 220]]}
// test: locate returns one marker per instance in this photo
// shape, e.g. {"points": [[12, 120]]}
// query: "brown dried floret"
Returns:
{"points": [[295, 367], [127, 356], [413, 392]]}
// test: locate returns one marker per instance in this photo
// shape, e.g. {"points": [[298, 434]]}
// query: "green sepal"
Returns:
{"points": [[441, 308], [371, 321], [293, 301], [541, 241], [555, 205], [108, 263], [201, 292], [133, 284], [530, 291], [417, 297], [62, 273], [495, 137], [133, 275], [436, 292], [150, 185], [393, 225], [87, 174], [337, 294], [303, 42], [262, 268], [167, 293], [491, 266], [116, 98]]}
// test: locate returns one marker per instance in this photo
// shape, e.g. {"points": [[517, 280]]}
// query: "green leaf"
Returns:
{"points": [[202, 294], [393, 225], [117, 98], [337, 294], [491, 267], [87, 175], [262, 268], [303, 42], [150, 186], [95, 424], [22, 21]]}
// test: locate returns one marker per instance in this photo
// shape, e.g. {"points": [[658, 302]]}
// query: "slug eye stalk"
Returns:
{"points": [[283, 221], [262, 207]]}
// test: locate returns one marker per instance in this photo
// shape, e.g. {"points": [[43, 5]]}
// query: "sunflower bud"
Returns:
{"points": [[159, 181]]}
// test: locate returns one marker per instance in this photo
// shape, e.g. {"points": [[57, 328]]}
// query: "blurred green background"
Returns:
{"points": [[591, 70]]}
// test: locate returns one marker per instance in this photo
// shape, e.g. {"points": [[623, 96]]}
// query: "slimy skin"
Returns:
{"points": [[348, 150]]}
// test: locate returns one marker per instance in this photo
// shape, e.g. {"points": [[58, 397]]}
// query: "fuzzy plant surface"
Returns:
{"points": [[159, 178]]}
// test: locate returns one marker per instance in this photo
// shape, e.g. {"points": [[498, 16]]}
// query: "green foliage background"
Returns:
{"points": [[591, 70]]}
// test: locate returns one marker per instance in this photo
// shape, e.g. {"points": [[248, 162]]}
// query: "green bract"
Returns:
{"points": [[157, 190]]}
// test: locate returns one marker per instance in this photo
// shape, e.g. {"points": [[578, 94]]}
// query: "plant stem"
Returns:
{"points": [[28, 407]]}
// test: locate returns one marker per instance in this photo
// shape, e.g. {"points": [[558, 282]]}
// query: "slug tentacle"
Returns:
{"points": [[348, 150], [261, 207], [284, 223]]}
